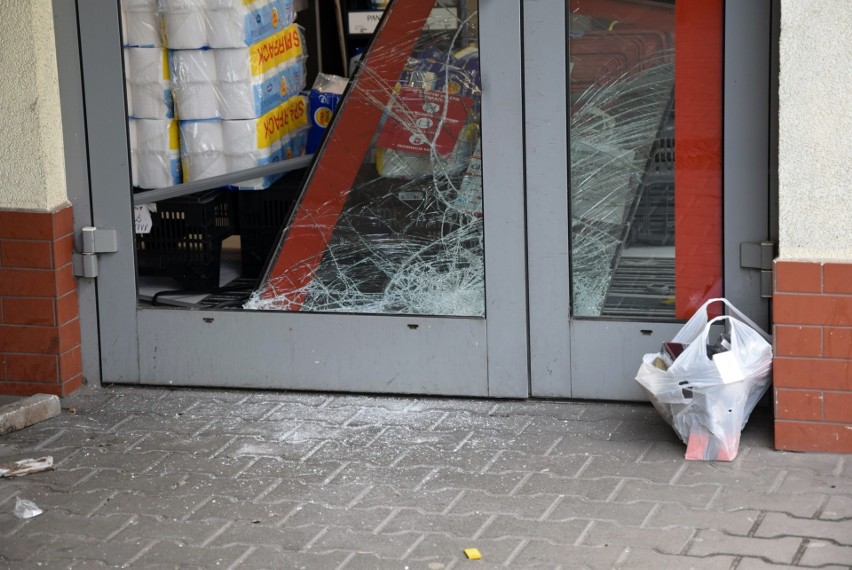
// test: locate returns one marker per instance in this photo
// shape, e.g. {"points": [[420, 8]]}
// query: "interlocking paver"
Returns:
{"points": [[539, 552], [308, 472], [470, 461], [733, 497], [691, 495], [195, 533], [362, 561], [289, 490], [219, 466], [442, 549], [13, 551], [286, 537], [65, 548], [533, 444], [777, 550], [356, 519], [109, 479], [383, 545], [837, 507], [400, 478], [664, 452], [102, 458], [170, 555], [137, 503], [229, 508], [607, 466], [495, 483], [556, 409], [383, 417], [527, 506], [241, 488], [626, 513], [558, 465], [820, 553], [161, 478], [561, 532], [620, 412], [427, 501], [266, 557], [759, 564], [465, 421], [598, 489], [606, 534], [78, 503], [782, 524], [641, 432], [645, 558], [412, 520], [679, 515], [330, 416], [767, 457], [800, 481], [718, 473]]}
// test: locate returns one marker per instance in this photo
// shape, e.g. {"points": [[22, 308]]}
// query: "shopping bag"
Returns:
{"points": [[707, 392]]}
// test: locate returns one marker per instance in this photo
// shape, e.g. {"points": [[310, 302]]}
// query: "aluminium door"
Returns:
{"points": [[647, 125], [402, 269]]}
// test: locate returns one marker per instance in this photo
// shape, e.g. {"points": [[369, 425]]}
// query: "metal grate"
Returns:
{"points": [[642, 287]]}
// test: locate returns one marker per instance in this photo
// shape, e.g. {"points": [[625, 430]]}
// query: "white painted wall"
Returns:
{"points": [[32, 164], [815, 130]]}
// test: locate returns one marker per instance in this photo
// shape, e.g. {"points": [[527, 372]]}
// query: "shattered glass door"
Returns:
{"points": [[390, 219], [621, 84]]}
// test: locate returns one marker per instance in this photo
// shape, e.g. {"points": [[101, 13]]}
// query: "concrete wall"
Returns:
{"points": [[32, 166], [815, 144]]}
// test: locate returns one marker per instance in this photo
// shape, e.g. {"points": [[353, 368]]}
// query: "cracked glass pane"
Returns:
{"points": [[621, 68], [390, 220]]}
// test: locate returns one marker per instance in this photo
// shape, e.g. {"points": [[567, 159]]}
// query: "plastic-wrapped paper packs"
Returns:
{"points": [[149, 94], [194, 84], [253, 96], [154, 152], [215, 147], [140, 23], [194, 24], [238, 83], [236, 23]]}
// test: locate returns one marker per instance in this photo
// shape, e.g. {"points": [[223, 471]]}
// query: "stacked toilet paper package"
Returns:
{"points": [[229, 71]]}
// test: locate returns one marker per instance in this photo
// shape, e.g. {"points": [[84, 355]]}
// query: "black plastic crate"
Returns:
{"points": [[261, 216], [185, 242]]}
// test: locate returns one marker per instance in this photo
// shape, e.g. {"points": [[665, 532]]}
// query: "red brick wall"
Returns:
{"points": [[39, 316], [812, 317]]}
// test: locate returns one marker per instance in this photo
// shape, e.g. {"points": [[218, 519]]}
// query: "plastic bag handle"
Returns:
{"points": [[693, 328]]}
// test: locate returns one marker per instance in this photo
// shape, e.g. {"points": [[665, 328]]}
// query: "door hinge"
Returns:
{"points": [[759, 255], [94, 241]]}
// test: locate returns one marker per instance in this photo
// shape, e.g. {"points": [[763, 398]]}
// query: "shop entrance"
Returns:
{"points": [[485, 218]]}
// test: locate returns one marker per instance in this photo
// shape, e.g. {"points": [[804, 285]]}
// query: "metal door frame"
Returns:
{"points": [[400, 354], [563, 349]]}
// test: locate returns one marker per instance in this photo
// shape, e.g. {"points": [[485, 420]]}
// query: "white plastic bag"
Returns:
{"points": [[708, 399]]}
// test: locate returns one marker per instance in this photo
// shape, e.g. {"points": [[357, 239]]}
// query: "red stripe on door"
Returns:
{"points": [[699, 85]]}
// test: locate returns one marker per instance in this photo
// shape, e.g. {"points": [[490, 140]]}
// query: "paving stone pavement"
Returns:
{"points": [[190, 478]]}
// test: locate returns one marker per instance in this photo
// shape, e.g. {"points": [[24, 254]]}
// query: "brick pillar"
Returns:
{"points": [[812, 317], [39, 317]]}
